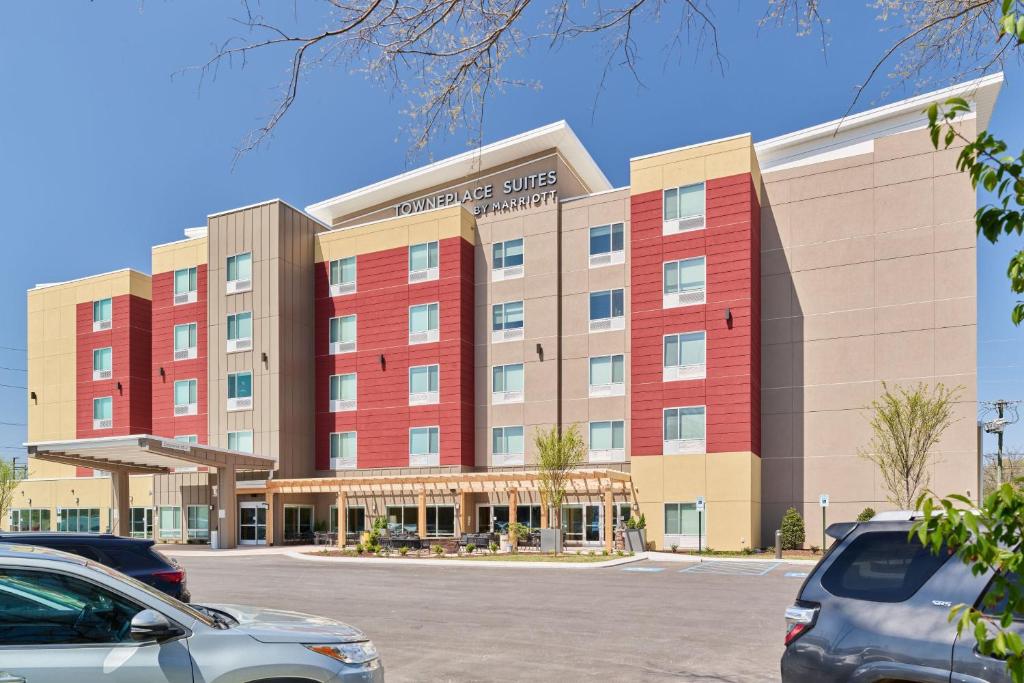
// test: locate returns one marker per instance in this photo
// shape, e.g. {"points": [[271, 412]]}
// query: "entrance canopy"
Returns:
{"points": [[144, 454]]}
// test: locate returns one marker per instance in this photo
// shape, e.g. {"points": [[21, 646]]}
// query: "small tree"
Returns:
{"points": [[866, 514], [8, 483], [557, 456], [793, 532], [905, 427], [1013, 470]]}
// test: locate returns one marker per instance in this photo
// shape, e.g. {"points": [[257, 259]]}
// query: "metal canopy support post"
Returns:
{"points": [[271, 536], [121, 524], [342, 518], [609, 529], [422, 516], [513, 506], [227, 508]]}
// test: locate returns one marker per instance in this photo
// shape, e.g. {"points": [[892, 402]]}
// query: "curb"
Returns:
{"points": [[421, 562], [681, 557]]}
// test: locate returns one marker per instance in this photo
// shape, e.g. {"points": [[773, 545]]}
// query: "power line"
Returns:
{"points": [[12, 386], [2, 367], [13, 424], [11, 348]]}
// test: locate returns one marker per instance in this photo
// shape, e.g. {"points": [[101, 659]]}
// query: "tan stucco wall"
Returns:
{"points": [[452, 221], [182, 254], [694, 164], [50, 492]]}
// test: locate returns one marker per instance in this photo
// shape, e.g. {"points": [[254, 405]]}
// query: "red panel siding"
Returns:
{"points": [[165, 316], [731, 391], [381, 304]]}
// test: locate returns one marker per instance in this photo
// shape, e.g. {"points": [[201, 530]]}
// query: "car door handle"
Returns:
{"points": [[10, 678]]}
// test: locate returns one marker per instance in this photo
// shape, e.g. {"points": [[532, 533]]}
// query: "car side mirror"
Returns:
{"points": [[151, 625]]}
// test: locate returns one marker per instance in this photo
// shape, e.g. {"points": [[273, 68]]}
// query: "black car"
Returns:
{"points": [[876, 608], [135, 557]]}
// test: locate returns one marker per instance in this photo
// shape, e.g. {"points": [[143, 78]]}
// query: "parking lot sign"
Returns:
{"points": [[700, 503], [823, 500]]}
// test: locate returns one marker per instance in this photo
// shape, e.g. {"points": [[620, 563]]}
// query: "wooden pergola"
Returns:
{"points": [[606, 482]]}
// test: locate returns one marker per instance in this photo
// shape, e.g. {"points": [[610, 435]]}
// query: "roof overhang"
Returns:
{"points": [[558, 136], [144, 454]]}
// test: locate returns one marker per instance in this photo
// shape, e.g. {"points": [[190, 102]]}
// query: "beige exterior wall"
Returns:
{"points": [[452, 221], [868, 275], [694, 164], [186, 253]]}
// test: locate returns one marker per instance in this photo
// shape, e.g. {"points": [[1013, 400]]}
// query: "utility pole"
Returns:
{"points": [[1006, 414], [1000, 413]]}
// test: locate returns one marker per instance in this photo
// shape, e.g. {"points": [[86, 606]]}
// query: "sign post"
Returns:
{"points": [[823, 502], [700, 523]]}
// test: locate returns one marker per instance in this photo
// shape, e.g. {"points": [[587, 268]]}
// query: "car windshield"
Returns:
{"points": [[155, 594]]}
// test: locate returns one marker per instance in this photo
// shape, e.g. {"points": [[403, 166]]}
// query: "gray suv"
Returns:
{"points": [[876, 608], [64, 618]]}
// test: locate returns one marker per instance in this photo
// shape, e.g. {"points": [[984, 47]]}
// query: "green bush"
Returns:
{"points": [[438, 550], [493, 547], [360, 549], [793, 533], [814, 549], [403, 551], [866, 514], [675, 547], [637, 522], [470, 548]]}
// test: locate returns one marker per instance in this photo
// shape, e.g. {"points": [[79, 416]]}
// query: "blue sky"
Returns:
{"points": [[107, 147]]}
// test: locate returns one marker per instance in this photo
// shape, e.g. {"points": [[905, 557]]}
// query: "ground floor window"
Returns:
{"points": [[528, 515], [29, 519], [492, 519], [681, 519], [355, 519], [142, 522], [440, 520], [198, 522], [79, 519], [298, 521], [170, 522], [621, 512], [582, 523], [403, 518]]}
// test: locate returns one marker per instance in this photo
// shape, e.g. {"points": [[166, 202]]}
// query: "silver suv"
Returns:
{"points": [[64, 618]]}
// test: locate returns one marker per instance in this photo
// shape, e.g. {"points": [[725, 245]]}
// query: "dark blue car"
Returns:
{"points": [[135, 557]]}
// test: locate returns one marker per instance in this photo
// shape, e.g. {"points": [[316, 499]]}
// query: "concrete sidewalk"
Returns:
{"points": [[442, 562]]}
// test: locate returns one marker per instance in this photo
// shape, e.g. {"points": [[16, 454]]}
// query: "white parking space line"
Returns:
{"points": [[643, 569], [732, 568]]}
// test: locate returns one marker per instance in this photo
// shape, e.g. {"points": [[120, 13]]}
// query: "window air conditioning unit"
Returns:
{"points": [[236, 286], [240, 344], [687, 224], [343, 288]]}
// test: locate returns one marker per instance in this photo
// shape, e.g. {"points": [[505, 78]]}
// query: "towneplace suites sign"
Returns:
{"points": [[513, 194]]}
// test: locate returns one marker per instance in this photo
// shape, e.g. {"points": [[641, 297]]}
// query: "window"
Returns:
{"points": [[239, 275], [423, 261], [141, 522], [186, 401], [685, 283], [684, 430], [84, 520], [507, 321], [507, 445], [343, 392], [170, 522], [882, 566], [403, 518], [102, 310], [681, 519], [187, 438], [103, 412], [50, 608], [608, 441], [355, 519], [298, 522], [343, 450], [343, 276], [507, 383], [102, 363], [621, 512], [608, 375], [684, 356], [185, 341], [440, 521], [684, 209], [240, 441], [507, 262], [343, 334], [424, 384], [606, 246], [198, 522], [29, 519], [606, 310], [490, 518], [424, 446], [185, 286], [423, 323], [528, 515], [239, 332], [240, 391]]}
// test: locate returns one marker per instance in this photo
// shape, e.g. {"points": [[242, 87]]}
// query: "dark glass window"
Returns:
{"points": [[882, 566]]}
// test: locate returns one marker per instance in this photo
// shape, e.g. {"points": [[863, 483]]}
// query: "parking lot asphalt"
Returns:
{"points": [[645, 621]]}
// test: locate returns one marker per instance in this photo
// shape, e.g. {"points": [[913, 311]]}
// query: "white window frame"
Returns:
{"points": [[239, 433], [427, 336], [187, 438], [688, 297], [613, 388], [100, 324], [183, 409], [341, 462], [612, 256], [235, 344], [507, 272], [683, 224], [189, 352], [612, 322], [430, 272], [425, 398], [342, 405], [238, 285], [199, 534], [678, 372], [342, 288], [171, 532], [191, 295], [428, 459], [339, 347], [685, 540], [236, 403], [683, 446], [506, 396], [506, 334], [606, 454], [102, 374], [103, 422], [506, 458]]}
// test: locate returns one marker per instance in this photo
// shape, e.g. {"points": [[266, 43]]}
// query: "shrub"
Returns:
{"points": [[675, 547], [620, 553], [403, 551], [748, 551], [708, 550], [814, 549], [637, 522], [493, 547], [604, 552], [866, 514], [470, 548], [793, 533], [592, 553], [360, 549], [438, 549]]}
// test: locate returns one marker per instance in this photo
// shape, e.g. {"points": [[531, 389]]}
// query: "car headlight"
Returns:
{"points": [[348, 653]]}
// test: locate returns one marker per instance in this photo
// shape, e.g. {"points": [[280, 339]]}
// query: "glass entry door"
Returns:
{"points": [[583, 523], [252, 523], [572, 523]]}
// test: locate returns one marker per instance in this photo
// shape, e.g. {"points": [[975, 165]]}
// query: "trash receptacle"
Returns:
{"points": [[215, 539]]}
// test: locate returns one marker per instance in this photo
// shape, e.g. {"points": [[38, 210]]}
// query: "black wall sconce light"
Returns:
{"points": [[540, 351], [383, 362], [265, 357], [728, 317], [162, 373], [120, 389], [32, 395]]}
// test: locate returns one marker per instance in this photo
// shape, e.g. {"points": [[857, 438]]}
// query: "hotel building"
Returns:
{"points": [[715, 329]]}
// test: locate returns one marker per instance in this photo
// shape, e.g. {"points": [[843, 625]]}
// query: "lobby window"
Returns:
{"points": [[507, 321], [343, 450], [403, 518], [298, 522], [507, 383], [608, 375], [528, 515], [608, 441], [507, 260], [684, 356], [342, 392], [198, 522], [185, 341], [186, 401], [239, 332], [343, 276], [169, 520], [355, 519], [239, 273], [186, 284], [102, 363], [607, 310], [424, 325], [424, 447], [424, 385], [141, 522], [187, 438], [240, 441], [239, 391], [606, 245], [423, 262], [684, 209], [29, 519], [440, 521], [684, 430], [684, 282], [507, 446], [103, 412], [81, 520], [102, 314], [342, 334], [682, 519]]}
